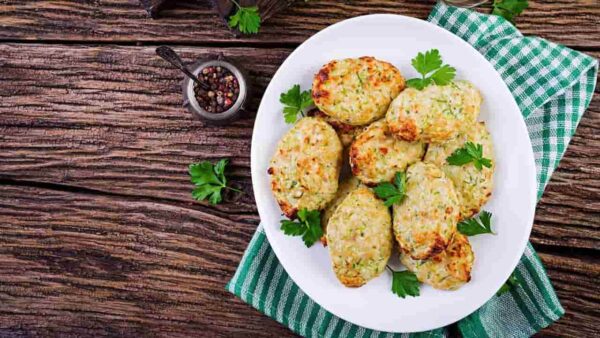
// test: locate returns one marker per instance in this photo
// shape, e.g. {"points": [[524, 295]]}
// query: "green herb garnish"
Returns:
{"points": [[471, 152], [429, 65], [405, 283], [392, 193], [309, 226], [209, 180], [481, 224], [295, 102], [510, 283], [246, 19], [508, 9]]}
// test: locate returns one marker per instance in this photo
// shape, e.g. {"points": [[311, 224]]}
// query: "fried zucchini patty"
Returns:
{"points": [[376, 156], [434, 114], [306, 166], [473, 186], [346, 187], [359, 237], [425, 221], [448, 270], [356, 91]]}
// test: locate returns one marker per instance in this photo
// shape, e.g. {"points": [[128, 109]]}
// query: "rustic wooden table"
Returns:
{"points": [[99, 235]]}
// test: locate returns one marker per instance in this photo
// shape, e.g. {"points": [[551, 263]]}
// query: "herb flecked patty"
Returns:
{"points": [[346, 187], [434, 114], [425, 221], [376, 156], [473, 186], [448, 270], [306, 166], [359, 238], [356, 91]]}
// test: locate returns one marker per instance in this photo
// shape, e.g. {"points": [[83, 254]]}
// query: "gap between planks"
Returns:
{"points": [[191, 206], [585, 254]]}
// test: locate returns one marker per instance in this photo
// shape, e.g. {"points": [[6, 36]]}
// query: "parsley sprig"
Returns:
{"points": [[481, 224], [210, 180], [508, 9], [404, 283], [470, 152], [295, 102], [432, 71], [246, 19], [392, 193], [511, 282], [309, 226]]}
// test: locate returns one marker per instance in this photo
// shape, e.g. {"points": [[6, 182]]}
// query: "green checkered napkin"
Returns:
{"points": [[552, 85]]}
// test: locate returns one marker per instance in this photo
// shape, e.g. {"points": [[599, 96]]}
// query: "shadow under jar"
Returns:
{"points": [[224, 100]]}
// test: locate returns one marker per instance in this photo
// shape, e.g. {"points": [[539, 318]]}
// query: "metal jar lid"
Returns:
{"points": [[192, 105]]}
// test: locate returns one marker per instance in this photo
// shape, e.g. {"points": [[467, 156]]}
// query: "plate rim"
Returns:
{"points": [[531, 165]]}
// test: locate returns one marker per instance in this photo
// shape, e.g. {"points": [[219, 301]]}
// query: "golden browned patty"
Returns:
{"points": [[376, 156], [426, 219], [448, 270], [359, 237], [346, 132], [434, 114], [473, 186], [356, 91], [347, 186], [306, 166]]}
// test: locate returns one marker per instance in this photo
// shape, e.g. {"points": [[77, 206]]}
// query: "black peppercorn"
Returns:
{"points": [[224, 89]]}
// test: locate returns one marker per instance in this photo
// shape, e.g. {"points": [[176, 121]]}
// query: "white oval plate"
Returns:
{"points": [[397, 39]]}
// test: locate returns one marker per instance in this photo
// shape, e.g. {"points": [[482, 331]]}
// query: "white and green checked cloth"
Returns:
{"points": [[553, 85]]}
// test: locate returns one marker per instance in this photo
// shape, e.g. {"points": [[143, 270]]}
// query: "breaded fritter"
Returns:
{"points": [[473, 186], [376, 156], [359, 237], [448, 270], [305, 166], [434, 114], [346, 186], [356, 91], [425, 221]]}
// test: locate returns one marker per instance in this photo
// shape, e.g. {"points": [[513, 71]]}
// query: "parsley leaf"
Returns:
{"points": [[392, 193], [246, 19], [309, 226], [209, 180], [481, 224], [430, 64], [295, 102], [405, 283], [508, 9], [292, 228], [510, 283], [471, 152]]}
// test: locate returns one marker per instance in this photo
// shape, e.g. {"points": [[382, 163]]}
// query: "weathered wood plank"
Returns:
{"points": [[575, 280], [571, 22], [81, 264], [106, 85], [108, 118], [117, 111], [86, 264]]}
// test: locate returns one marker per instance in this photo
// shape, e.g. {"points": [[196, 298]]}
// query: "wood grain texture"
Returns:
{"points": [[108, 119], [98, 233], [571, 22], [88, 265], [85, 264]]}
